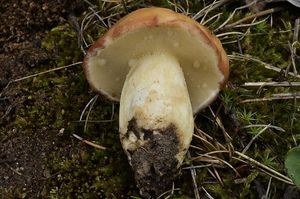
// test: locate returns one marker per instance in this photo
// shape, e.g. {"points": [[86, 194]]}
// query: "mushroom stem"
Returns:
{"points": [[156, 120]]}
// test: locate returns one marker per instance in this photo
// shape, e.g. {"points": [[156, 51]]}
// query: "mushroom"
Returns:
{"points": [[163, 67]]}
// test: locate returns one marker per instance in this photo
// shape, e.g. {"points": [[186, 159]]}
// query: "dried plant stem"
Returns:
{"points": [[89, 111], [271, 84], [292, 47], [266, 65], [89, 143], [194, 176], [296, 30], [37, 74], [268, 189], [265, 168], [48, 71], [263, 125], [14, 170], [231, 16], [86, 106], [256, 136], [95, 121], [279, 96], [206, 193], [259, 14], [210, 8]]}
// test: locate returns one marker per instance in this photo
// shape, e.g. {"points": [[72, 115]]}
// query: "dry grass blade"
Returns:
{"points": [[207, 157], [218, 176], [263, 125], [266, 65], [292, 47], [278, 96], [94, 121], [293, 57], [259, 14], [196, 147], [206, 193], [169, 193], [268, 189], [271, 84], [89, 143], [229, 33], [14, 170], [254, 138], [206, 142], [226, 135], [86, 106], [197, 166], [207, 138], [253, 23], [89, 111], [275, 176], [194, 176], [47, 71], [215, 4], [265, 168], [212, 18], [289, 94], [231, 16]]}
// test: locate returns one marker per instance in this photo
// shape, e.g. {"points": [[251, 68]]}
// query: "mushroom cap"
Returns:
{"points": [[148, 30]]}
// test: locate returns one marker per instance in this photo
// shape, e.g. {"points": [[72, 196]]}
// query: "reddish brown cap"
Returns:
{"points": [[200, 54]]}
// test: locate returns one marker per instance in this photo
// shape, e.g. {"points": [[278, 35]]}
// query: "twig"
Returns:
{"points": [[296, 30], [293, 56], [292, 47], [89, 143], [271, 84], [290, 94], [259, 14], [266, 99], [293, 119]]}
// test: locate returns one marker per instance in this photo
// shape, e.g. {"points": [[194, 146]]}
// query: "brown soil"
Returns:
{"points": [[23, 25]]}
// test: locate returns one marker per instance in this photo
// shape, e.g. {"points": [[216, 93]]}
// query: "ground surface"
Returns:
{"points": [[39, 157], [24, 24]]}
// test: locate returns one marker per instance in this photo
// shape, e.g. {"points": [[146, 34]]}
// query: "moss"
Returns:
{"points": [[61, 41]]}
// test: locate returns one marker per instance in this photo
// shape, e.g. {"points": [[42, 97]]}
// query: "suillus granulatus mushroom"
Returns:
{"points": [[163, 67]]}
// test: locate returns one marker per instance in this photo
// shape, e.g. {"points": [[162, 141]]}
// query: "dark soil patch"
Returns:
{"points": [[24, 24]]}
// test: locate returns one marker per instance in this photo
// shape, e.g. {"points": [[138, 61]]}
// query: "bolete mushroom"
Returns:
{"points": [[163, 67]]}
